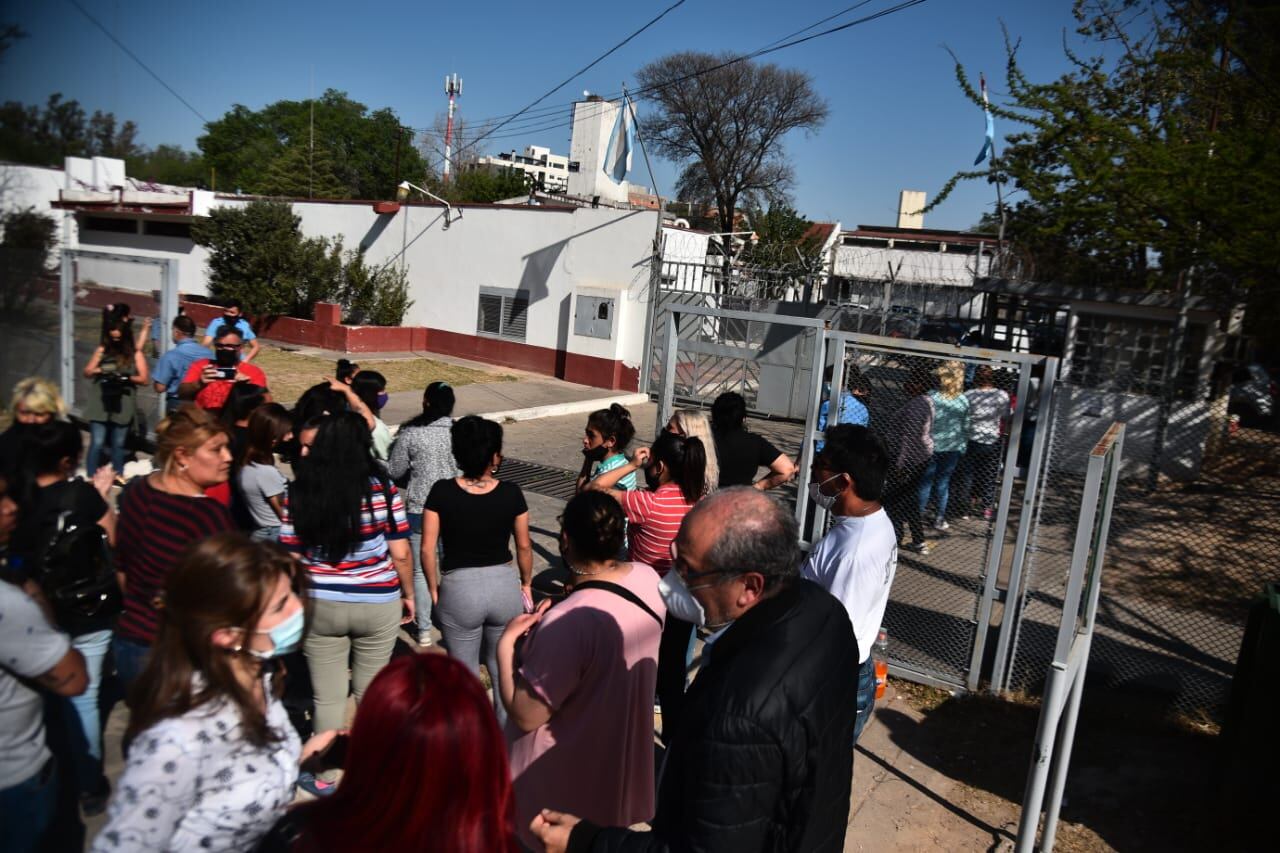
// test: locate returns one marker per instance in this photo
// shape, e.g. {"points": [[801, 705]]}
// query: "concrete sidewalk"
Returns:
{"points": [[528, 397]]}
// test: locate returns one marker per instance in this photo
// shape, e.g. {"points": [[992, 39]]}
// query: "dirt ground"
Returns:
{"points": [[1137, 781]]}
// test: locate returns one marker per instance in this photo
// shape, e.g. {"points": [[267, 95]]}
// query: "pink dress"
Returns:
{"points": [[594, 660]]}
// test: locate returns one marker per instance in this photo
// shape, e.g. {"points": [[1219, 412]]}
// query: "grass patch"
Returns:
{"points": [[291, 373]]}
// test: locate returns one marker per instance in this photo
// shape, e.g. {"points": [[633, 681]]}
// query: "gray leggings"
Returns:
{"points": [[474, 608]]}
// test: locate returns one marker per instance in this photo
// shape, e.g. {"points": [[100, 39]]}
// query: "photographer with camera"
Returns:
{"points": [[117, 368], [208, 381]]}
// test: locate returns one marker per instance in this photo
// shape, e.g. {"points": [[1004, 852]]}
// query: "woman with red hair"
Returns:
{"points": [[426, 769]]}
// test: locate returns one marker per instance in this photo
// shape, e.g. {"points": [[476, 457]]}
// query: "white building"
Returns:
{"points": [[556, 289], [546, 171]]}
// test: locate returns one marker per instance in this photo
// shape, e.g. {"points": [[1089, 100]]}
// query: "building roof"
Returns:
{"points": [[1051, 291], [819, 232], [927, 235]]}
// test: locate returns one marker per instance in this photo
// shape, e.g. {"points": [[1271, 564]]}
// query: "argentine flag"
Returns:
{"points": [[989, 144], [617, 158]]}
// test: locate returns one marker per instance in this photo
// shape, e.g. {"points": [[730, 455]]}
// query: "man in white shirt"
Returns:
{"points": [[857, 558]]}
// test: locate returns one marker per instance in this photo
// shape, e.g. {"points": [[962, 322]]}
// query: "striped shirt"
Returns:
{"points": [[654, 520], [154, 529], [366, 575]]}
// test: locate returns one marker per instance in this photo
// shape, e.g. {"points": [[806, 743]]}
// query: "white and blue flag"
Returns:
{"points": [[617, 158], [989, 144]]}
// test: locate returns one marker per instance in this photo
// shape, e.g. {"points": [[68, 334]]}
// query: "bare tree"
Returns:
{"points": [[724, 121]]}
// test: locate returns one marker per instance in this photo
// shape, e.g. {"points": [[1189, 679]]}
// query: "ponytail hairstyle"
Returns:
{"points": [[686, 458], [613, 422], [595, 526], [437, 403], [346, 370], [695, 424]]}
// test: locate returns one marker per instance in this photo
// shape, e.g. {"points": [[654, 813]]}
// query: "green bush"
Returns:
{"points": [[257, 254]]}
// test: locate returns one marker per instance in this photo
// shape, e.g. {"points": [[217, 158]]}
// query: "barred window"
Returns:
{"points": [[503, 314]]}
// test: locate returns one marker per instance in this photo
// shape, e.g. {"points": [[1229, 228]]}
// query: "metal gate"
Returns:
{"points": [[946, 594]]}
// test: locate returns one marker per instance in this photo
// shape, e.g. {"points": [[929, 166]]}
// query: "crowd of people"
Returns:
{"points": [[258, 581]]}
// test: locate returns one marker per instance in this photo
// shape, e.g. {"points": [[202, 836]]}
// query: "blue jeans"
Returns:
{"points": [[27, 808], [937, 480], [266, 534], [131, 658], [108, 436], [93, 646], [421, 593], [866, 696]]}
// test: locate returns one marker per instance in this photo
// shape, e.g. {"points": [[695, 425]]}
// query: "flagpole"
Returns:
{"points": [[655, 267], [995, 177]]}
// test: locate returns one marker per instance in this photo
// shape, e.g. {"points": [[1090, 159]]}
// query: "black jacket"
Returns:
{"points": [[763, 760]]}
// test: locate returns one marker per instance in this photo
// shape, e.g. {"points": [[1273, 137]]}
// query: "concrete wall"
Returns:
{"points": [[908, 267], [551, 254], [192, 272], [592, 124]]}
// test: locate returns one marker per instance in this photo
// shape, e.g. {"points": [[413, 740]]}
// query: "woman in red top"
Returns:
{"points": [[675, 469], [160, 516]]}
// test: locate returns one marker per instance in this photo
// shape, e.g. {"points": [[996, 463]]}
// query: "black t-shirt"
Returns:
{"points": [[740, 453], [475, 529]]}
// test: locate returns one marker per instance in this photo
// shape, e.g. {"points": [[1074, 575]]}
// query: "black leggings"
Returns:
{"points": [[904, 501], [673, 670]]}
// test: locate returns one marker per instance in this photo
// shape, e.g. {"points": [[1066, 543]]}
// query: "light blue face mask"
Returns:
{"points": [[285, 637]]}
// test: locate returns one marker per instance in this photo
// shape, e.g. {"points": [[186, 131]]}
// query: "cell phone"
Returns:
{"points": [[228, 373]]}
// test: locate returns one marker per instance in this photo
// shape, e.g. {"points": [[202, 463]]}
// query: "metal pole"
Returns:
{"points": [[666, 401], [66, 326], [1067, 733], [1038, 776], [1012, 610], [655, 268]]}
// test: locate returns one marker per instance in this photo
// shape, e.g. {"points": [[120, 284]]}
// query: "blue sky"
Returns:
{"points": [[898, 120]]}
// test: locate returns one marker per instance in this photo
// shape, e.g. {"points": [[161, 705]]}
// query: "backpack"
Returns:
{"points": [[75, 569]]}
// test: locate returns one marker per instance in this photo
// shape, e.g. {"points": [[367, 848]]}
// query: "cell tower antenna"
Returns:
{"points": [[452, 88]]}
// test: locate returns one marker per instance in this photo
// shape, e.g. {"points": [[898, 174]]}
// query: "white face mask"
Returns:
{"points": [[681, 602], [816, 495]]}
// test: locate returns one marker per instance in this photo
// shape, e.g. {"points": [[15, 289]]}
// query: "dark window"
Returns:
{"points": [[161, 228], [115, 226]]}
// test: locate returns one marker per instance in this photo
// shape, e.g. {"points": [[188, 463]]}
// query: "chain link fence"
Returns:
{"points": [[1195, 531]]}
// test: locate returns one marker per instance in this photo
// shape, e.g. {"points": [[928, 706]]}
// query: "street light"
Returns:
{"points": [[402, 193]]}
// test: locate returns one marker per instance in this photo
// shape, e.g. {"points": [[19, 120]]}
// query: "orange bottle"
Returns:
{"points": [[880, 655]]}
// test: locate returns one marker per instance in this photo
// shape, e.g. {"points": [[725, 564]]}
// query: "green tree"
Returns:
{"points": [[243, 144], [44, 137], [168, 164], [257, 254], [725, 124], [1165, 159], [298, 172], [24, 256], [783, 241], [482, 186]]}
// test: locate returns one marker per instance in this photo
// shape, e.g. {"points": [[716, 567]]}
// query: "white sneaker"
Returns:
{"points": [[941, 524]]}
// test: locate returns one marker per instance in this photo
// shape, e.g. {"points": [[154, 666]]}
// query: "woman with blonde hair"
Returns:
{"points": [[950, 438], [161, 515], [34, 401], [691, 423]]}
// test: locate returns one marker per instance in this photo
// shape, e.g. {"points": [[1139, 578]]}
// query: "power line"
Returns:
{"points": [[135, 58], [541, 115], [768, 49], [579, 72]]}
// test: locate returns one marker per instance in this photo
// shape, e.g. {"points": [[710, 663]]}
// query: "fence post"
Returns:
{"points": [[66, 329], [667, 399]]}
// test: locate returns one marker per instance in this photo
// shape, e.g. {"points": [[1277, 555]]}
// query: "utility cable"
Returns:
{"points": [[135, 58]]}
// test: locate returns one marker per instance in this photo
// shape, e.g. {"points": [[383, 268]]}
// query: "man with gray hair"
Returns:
{"points": [[761, 759]]}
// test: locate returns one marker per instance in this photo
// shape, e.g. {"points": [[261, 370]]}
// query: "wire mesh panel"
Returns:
{"points": [[29, 342], [1196, 526], [946, 416]]}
